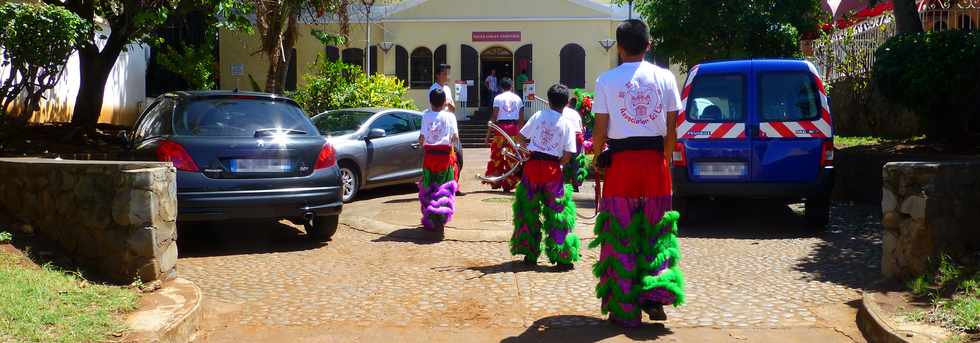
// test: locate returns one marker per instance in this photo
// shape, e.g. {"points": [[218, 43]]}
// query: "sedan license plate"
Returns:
{"points": [[720, 169], [260, 166]]}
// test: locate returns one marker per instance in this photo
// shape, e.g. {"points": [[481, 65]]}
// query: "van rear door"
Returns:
{"points": [[711, 127], [793, 122]]}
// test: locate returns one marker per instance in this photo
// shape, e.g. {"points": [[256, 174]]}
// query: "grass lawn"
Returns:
{"points": [[954, 292], [841, 142], [42, 304]]}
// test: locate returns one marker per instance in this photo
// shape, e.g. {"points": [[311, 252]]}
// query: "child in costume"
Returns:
{"points": [[636, 106], [437, 189], [542, 192], [508, 114]]}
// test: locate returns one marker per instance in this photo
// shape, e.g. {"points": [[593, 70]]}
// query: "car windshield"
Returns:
{"points": [[240, 117], [338, 123]]}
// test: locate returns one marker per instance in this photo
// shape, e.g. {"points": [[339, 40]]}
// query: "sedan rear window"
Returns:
{"points": [[236, 117], [787, 96], [717, 99]]}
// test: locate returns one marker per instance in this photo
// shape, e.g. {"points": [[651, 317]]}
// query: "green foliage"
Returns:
{"points": [[47, 305], [333, 85], [194, 65], [919, 286], [954, 291], [936, 75], [5, 237], [37, 41], [328, 38], [691, 32]]}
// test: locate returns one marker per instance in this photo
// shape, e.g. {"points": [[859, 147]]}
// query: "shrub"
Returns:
{"points": [[937, 75], [333, 85]]}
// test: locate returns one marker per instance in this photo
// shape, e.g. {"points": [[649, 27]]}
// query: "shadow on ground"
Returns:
{"points": [[849, 253], [368, 194], [515, 266], [241, 238], [554, 329], [743, 219], [411, 235]]}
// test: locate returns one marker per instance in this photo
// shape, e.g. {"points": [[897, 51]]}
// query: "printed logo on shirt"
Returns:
{"points": [[437, 130], [639, 103], [548, 139]]}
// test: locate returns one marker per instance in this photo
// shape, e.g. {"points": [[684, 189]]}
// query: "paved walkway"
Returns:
{"points": [[751, 271]]}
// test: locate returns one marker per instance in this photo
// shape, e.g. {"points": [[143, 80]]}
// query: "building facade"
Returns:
{"points": [[568, 41]]}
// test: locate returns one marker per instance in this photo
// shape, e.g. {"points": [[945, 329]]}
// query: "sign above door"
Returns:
{"points": [[497, 36]]}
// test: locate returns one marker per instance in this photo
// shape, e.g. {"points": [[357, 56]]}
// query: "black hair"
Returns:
{"points": [[437, 98], [558, 96], [506, 84], [442, 67], [633, 36]]}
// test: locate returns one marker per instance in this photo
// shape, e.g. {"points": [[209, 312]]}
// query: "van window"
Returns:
{"points": [[787, 96], [717, 99]]}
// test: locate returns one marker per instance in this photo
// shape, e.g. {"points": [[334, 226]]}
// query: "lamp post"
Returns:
{"points": [[607, 44], [368, 4], [630, 14], [386, 46]]}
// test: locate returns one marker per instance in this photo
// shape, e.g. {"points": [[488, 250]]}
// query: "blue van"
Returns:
{"points": [[755, 129]]}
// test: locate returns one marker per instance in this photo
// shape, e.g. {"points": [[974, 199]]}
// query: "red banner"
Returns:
{"points": [[497, 36]]}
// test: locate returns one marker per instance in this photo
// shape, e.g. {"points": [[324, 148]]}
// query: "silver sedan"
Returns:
{"points": [[375, 146]]}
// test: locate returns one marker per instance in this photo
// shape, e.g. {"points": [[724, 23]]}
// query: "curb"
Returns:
{"points": [[171, 314], [876, 327]]}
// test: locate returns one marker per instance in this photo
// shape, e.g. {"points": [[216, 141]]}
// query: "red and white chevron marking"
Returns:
{"points": [[819, 128], [691, 130]]}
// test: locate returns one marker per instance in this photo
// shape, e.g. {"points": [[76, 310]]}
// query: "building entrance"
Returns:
{"points": [[498, 59]]}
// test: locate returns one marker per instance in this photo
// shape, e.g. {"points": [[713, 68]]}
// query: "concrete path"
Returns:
{"points": [[753, 274]]}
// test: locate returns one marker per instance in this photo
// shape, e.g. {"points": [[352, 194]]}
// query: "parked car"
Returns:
{"points": [[756, 129], [242, 155], [375, 146]]}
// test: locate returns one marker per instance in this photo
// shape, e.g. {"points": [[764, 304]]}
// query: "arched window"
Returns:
{"points": [[421, 68], [401, 63], [439, 58], [333, 53], [353, 56], [469, 64], [572, 68], [966, 23]]}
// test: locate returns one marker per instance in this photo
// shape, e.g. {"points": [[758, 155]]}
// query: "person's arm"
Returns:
{"points": [[565, 158], [421, 139], [671, 137], [599, 135]]}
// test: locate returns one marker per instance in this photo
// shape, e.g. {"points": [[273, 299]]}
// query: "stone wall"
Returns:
{"points": [[855, 116], [116, 219], [929, 208]]}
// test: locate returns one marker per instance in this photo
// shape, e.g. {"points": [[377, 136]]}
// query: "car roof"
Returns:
{"points": [[746, 65], [374, 110], [189, 95]]}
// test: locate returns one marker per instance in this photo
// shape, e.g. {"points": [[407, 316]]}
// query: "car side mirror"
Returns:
{"points": [[376, 133]]}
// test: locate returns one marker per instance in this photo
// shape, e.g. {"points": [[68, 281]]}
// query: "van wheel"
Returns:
{"points": [[817, 212], [322, 228]]}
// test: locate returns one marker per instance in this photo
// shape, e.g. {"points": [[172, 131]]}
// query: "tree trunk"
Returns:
{"points": [[272, 82], [907, 17], [94, 69]]}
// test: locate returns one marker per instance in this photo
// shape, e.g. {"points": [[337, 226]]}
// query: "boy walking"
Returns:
{"points": [[508, 114], [437, 189], [542, 192]]}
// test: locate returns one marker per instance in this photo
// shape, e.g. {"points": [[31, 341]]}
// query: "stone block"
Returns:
{"points": [[891, 221], [914, 206], [888, 200], [168, 259], [142, 206], [120, 208]]}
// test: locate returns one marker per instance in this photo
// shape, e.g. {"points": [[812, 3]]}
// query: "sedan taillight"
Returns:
{"points": [[169, 151], [327, 157]]}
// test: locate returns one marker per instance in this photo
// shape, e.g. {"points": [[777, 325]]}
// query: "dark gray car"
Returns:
{"points": [[242, 155], [375, 146]]}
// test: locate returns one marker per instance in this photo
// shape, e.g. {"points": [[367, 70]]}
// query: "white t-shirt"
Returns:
{"points": [[637, 97], [549, 133], [574, 119], [438, 128], [446, 89], [492, 83], [509, 106]]}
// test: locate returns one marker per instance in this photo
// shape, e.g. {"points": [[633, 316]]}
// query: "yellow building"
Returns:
{"points": [[567, 41]]}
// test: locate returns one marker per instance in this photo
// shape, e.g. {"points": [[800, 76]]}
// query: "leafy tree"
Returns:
{"points": [[692, 31], [277, 22], [37, 41], [194, 64], [334, 85]]}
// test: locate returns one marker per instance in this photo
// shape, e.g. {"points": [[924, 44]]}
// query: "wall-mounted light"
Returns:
{"points": [[607, 44], [386, 46]]}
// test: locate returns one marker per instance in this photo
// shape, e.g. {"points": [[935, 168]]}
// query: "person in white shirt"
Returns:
{"points": [[437, 189], [573, 176], [508, 114], [542, 193], [636, 107], [442, 82], [491, 83]]}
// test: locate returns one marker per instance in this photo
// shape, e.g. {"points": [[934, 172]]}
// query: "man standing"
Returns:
{"points": [[442, 82], [437, 189], [520, 80], [542, 192], [508, 114], [491, 83], [636, 108]]}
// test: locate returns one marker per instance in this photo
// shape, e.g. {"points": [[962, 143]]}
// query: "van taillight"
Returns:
{"points": [[680, 157], [827, 154], [327, 157], [169, 151]]}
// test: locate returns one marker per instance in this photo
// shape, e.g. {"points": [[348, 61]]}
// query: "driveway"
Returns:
{"points": [[753, 273]]}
